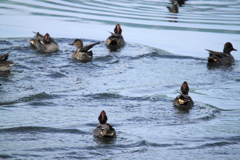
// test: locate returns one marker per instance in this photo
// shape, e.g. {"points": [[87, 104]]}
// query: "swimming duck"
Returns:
{"points": [[82, 52], [1, 83], [116, 40], [4, 64], [44, 43], [174, 8], [104, 129], [183, 101], [222, 57]]}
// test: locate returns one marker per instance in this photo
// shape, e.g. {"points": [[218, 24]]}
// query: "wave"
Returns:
{"points": [[34, 99], [38, 130]]}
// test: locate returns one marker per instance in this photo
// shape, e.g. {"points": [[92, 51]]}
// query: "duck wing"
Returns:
{"points": [[86, 48], [218, 54], [4, 57], [39, 37]]}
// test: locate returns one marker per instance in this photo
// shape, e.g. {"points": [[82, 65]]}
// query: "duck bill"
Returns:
{"points": [[234, 49], [70, 44]]}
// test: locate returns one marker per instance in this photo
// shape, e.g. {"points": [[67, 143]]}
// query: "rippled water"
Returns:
{"points": [[50, 102]]}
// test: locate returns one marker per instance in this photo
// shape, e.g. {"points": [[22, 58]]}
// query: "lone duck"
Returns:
{"points": [[183, 101], [104, 129], [174, 7], [116, 40], [224, 57], [44, 43], [82, 54], [1, 83], [4, 64]]}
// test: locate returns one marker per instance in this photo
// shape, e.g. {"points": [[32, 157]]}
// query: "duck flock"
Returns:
{"points": [[47, 44]]}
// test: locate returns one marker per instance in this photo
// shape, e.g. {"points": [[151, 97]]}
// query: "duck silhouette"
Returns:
{"points": [[82, 54], [224, 57], [4, 64], [44, 43], [115, 40], [104, 129], [183, 101]]}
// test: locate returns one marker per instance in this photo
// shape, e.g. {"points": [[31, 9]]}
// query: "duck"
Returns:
{"points": [[115, 40], [174, 7], [224, 57], [4, 64], [104, 129], [1, 83], [183, 101], [82, 54], [44, 43]]}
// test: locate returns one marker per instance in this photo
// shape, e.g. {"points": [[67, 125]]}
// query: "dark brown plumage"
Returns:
{"points": [[117, 29], [185, 88], [4, 57], [102, 117]]}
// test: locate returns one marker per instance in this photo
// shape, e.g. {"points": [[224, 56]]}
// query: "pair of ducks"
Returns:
{"points": [[113, 42], [47, 44], [106, 130]]}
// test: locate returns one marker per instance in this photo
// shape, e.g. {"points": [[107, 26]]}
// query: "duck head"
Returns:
{"points": [[185, 88], [77, 43], [47, 39], [117, 29], [228, 47], [102, 117]]}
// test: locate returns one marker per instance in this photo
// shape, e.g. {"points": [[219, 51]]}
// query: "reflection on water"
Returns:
{"points": [[173, 19], [104, 140], [224, 67]]}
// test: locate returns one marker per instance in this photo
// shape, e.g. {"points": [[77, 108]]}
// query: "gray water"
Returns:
{"points": [[50, 102]]}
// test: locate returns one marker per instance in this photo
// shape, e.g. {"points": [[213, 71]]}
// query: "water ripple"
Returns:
{"points": [[222, 16]]}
